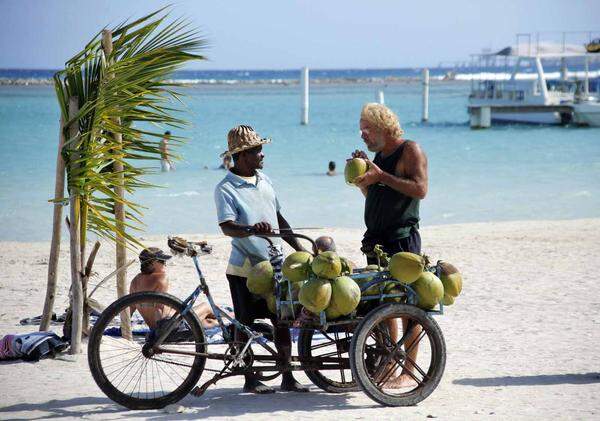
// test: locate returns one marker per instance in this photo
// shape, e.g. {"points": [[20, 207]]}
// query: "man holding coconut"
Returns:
{"points": [[247, 204], [394, 184]]}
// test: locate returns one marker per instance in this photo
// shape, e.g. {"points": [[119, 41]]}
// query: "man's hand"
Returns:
{"points": [[372, 176], [262, 228], [359, 154]]}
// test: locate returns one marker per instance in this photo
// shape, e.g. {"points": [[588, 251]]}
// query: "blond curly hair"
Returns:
{"points": [[383, 118]]}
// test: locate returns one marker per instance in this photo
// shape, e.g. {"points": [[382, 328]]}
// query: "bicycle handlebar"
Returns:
{"points": [[179, 245], [266, 236]]}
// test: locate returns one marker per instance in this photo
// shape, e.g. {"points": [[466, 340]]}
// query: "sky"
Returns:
{"points": [[289, 34]]}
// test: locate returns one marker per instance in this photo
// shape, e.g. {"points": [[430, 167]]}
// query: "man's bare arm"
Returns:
{"points": [[233, 229], [292, 241], [414, 182]]}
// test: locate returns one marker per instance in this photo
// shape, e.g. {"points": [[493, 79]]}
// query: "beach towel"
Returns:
{"points": [[54, 320]]}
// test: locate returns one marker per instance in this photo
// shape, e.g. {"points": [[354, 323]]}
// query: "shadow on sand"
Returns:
{"points": [[223, 402], [543, 379]]}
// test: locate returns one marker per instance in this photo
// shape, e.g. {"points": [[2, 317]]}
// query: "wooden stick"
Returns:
{"points": [[121, 251], [74, 227], [84, 283], [59, 191], [110, 275]]}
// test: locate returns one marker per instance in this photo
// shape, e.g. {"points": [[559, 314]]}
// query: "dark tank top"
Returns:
{"points": [[389, 214]]}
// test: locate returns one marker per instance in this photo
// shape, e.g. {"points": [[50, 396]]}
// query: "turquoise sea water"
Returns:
{"points": [[507, 172]]}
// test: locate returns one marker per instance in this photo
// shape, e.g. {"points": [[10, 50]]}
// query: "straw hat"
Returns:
{"points": [[241, 138]]}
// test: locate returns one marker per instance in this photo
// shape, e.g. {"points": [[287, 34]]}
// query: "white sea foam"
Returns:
{"points": [[185, 193], [582, 193]]}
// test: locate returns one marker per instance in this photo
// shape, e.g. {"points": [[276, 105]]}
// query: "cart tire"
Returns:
{"points": [[320, 378], [364, 373], [103, 349]]}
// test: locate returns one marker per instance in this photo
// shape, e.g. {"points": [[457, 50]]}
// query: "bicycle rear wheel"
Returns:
{"points": [[131, 370], [417, 354]]}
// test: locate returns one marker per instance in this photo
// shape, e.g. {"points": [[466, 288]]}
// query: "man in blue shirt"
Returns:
{"points": [[247, 204]]}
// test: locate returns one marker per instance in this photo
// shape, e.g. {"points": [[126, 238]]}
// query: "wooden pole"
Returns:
{"points": [[380, 97], [85, 325], [74, 226], [305, 95], [121, 252], [59, 192], [425, 95]]}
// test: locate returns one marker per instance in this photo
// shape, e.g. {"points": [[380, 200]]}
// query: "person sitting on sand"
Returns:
{"points": [[153, 277], [331, 167], [325, 243]]}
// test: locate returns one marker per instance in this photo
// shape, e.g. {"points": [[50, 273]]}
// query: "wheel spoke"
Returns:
{"points": [[390, 370], [422, 334], [416, 366]]}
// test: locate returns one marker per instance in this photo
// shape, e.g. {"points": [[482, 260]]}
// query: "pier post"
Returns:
{"points": [[305, 95], [481, 117], [380, 97], [425, 117]]}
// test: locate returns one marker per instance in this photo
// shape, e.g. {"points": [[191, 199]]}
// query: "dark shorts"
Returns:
{"points": [[412, 244], [246, 306]]}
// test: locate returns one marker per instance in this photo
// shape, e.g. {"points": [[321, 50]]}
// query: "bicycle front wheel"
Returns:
{"points": [[134, 372]]}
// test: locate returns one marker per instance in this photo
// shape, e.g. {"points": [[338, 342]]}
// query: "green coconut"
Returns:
{"points": [[345, 295], [355, 167], [429, 289], [315, 295], [451, 278], [260, 278], [406, 267], [347, 266], [327, 265], [448, 300], [296, 267]]}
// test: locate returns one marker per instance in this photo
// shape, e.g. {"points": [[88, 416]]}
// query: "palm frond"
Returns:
{"points": [[122, 94]]}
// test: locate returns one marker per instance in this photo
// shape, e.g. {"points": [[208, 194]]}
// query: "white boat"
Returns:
{"points": [[587, 113], [527, 93]]}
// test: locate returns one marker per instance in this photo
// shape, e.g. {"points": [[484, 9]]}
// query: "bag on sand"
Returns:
{"points": [[33, 346]]}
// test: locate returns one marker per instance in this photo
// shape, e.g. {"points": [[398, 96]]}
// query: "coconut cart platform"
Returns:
{"points": [[148, 367]]}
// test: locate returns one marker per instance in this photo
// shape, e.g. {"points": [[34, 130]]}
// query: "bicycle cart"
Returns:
{"points": [[148, 367]]}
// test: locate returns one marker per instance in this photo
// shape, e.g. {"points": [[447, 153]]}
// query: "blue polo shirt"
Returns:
{"points": [[240, 201]]}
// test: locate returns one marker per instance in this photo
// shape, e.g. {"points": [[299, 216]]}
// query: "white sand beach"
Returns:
{"points": [[522, 340]]}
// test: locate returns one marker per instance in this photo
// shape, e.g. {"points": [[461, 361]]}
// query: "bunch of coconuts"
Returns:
{"points": [[319, 283]]}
